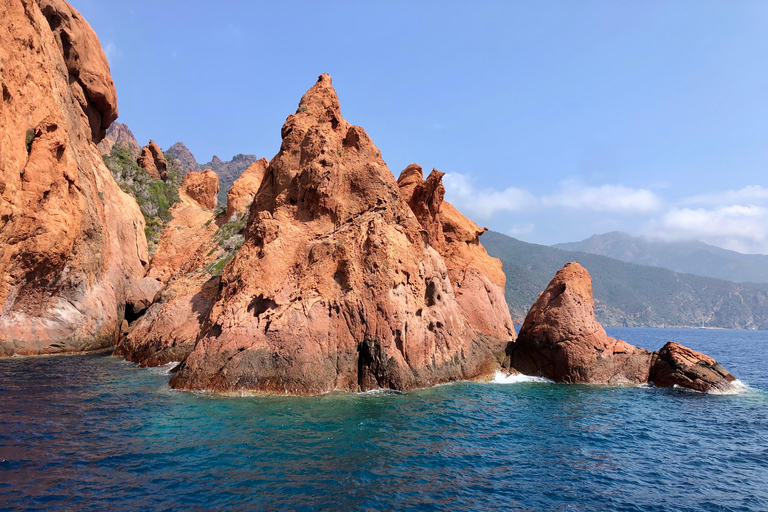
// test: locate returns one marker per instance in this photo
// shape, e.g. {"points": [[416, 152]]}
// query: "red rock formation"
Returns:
{"points": [[561, 340], [201, 187], [153, 161], [69, 238], [676, 365], [191, 227], [335, 286], [119, 134], [184, 260], [141, 294], [244, 189], [478, 279]]}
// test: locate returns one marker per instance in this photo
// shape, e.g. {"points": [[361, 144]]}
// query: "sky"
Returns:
{"points": [[554, 120]]}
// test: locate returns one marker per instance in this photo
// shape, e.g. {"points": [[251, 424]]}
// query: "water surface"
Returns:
{"points": [[96, 433]]}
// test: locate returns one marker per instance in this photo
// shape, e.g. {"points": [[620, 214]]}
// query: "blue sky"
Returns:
{"points": [[554, 120]]}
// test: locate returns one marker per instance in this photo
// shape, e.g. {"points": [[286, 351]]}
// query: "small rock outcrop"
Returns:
{"points": [[70, 239], [119, 134], [229, 170], [153, 161], [561, 340], [335, 287], [676, 365], [244, 189], [478, 279], [201, 187], [141, 294]]}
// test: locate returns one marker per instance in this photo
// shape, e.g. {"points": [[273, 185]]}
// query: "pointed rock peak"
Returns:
{"points": [[216, 159], [577, 279], [321, 102]]}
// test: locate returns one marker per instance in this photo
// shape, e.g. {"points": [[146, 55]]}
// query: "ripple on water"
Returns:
{"points": [[96, 433]]}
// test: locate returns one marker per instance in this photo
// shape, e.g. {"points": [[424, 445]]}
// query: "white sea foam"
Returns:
{"points": [[165, 369], [734, 388], [503, 378]]}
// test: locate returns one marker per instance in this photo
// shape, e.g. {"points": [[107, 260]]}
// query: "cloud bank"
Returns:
{"points": [[732, 219]]}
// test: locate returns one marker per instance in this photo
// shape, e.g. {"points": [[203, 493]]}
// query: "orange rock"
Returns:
{"points": [[676, 365], [69, 238], [167, 331], [244, 189], [335, 286], [201, 187], [478, 279], [561, 340], [153, 161]]}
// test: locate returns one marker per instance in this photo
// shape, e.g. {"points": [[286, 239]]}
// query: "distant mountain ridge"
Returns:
{"points": [[627, 294], [227, 170], [691, 257]]}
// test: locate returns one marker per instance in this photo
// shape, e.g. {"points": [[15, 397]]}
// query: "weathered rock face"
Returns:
{"points": [[191, 227], [229, 170], [244, 189], [141, 294], [201, 187], [561, 340], [153, 161], [184, 157], [69, 237], [120, 134], [478, 279], [335, 287], [676, 365], [188, 249]]}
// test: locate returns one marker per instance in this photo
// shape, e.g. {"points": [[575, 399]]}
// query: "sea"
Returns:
{"points": [[94, 432]]}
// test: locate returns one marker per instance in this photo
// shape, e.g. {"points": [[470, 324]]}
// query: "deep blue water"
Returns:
{"points": [[96, 433]]}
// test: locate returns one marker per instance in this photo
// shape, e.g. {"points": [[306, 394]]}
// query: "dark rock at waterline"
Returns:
{"points": [[676, 365]]}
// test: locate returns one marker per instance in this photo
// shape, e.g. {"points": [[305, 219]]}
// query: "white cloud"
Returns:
{"points": [[605, 198], [485, 203], [749, 195], [742, 228]]}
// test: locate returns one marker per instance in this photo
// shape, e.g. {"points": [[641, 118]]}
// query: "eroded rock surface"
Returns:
{"points": [[186, 263], [561, 340], [70, 239], [478, 279], [244, 189], [201, 187], [335, 286], [153, 161], [676, 365]]}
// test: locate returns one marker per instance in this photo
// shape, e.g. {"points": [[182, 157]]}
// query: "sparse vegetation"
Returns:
{"points": [[155, 197], [229, 238]]}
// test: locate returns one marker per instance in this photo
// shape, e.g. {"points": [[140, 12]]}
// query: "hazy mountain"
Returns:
{"points": [[692, 257], [184, 157], [629, 294]]}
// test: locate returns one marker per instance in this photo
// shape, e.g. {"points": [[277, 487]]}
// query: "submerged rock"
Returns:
{"points": [[153, 161], [70, 239], [561, 340], [335, 286]]}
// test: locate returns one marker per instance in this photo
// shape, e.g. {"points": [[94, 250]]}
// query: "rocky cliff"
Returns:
{"points": [[561, 340], [336, 285], [70, 239], [184, 157]]}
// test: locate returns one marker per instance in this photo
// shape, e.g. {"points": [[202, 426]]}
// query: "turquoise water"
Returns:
{"points": [[97, 433]]}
